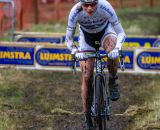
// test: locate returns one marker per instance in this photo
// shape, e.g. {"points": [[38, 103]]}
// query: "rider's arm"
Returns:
{"points": [[113, 19], [71, 27], [120, 35], [69, 37]]}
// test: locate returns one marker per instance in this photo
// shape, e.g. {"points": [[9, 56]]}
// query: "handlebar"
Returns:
{"points": [[94, 55], [101, 56]]}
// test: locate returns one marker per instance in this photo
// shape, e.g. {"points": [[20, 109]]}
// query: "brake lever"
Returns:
{"points": [[73, 67], [122, 65]]}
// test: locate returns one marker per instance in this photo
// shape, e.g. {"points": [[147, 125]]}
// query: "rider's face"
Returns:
{"points": [[89, 8]]}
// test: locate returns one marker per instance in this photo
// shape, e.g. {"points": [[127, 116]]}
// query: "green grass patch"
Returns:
{"points": [[146, 115], [140, 21], [6, 123], [55, 27]]}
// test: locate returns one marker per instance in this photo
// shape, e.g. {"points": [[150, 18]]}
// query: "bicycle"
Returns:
{"points": [[101, 101]]}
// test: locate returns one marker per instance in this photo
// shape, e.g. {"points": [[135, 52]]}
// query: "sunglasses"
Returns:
{"points": [[89, 4]]}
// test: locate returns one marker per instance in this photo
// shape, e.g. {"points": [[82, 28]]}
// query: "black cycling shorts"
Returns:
{"points": [[93, 39]]}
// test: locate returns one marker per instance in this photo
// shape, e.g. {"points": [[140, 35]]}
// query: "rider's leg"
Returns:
{"points": [[87, 71], [109, 43], [87, 68], [112, 67]]}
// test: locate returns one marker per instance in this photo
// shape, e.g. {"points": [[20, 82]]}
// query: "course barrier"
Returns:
{"points": [[58, 38], [47, 56], [7, 10]]}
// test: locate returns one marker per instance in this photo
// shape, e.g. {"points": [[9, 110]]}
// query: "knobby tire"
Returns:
{"points": [[99, 92]]}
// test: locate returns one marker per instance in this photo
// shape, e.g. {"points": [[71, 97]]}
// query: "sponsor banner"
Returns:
{"points": [[47, 57], [58, 57], [75, 39], [148, 60], [142, 42], [16, 55], [40, 39], [128, 59], [53, 57], [36, 34], [139, 41], [33, 39]]}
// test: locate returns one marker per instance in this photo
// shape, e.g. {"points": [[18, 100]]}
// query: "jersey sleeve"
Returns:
{"points": [[71, 27], [113, 19]]}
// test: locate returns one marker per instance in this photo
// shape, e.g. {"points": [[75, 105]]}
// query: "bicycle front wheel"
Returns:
{"points": [[99, 102]]}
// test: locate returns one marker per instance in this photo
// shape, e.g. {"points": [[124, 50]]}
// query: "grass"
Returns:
{"points": [[6, 123], [137, 21], [151, 119], [10, 94], [38, 99], [49, 27], [134, 21], [34, 95], [146, 115]]}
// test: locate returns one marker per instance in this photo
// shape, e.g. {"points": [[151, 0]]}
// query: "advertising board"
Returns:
{"points": [[131, 41], [58, 57]]}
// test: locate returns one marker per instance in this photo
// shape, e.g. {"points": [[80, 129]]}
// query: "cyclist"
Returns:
{"points": [[98, 22]]}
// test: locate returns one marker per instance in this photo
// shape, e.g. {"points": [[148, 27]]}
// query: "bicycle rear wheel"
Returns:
{"points": [[99, 101]]}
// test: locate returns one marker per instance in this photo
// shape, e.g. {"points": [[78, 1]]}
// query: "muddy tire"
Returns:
{"points": [[99, 86]]}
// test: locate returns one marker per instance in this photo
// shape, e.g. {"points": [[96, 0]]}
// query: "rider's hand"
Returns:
{"points": [[74, 50], [81, 56], [114, 53]]}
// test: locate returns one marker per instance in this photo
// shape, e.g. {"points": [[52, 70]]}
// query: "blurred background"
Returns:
{"points": [[135, 15], [51, 100]]}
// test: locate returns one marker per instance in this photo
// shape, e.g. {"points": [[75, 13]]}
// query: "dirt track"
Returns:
{"points": [[52, 101]]}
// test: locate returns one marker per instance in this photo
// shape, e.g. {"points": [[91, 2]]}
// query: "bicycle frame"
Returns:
{"points": [[99, 72], [105, 110], [98, 63]]}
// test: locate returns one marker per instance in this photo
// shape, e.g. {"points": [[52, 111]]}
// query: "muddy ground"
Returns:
{"points": [[52, 101]]}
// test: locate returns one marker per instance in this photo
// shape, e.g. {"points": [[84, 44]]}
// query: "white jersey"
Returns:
{"points": [[103, 15]]}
